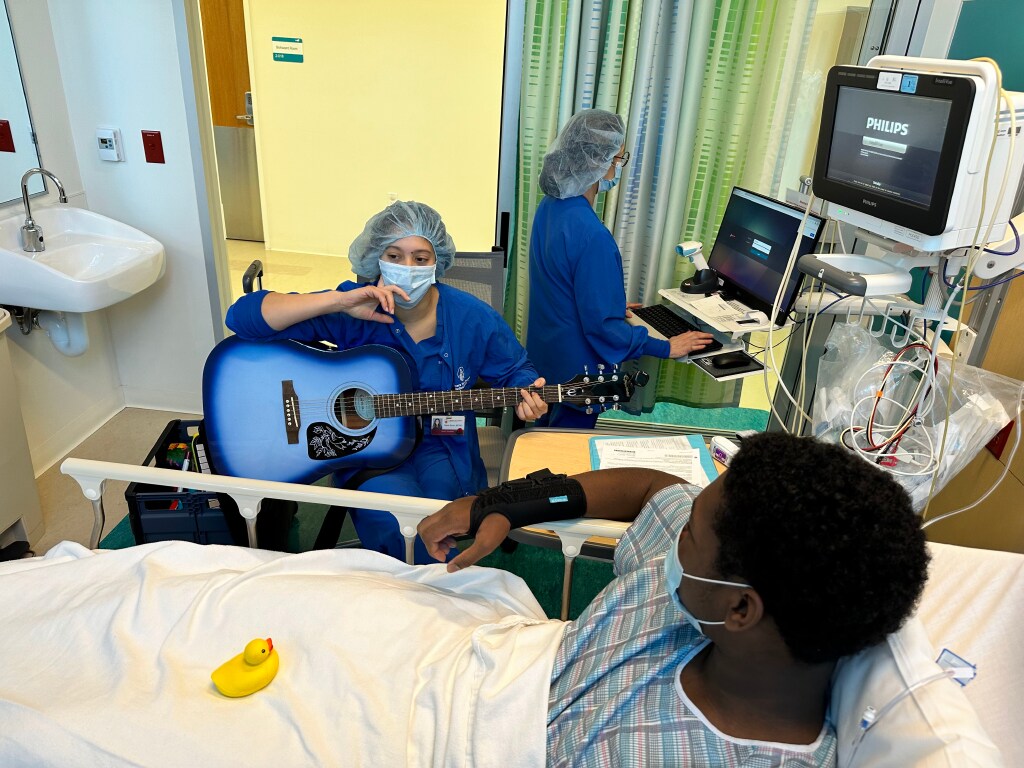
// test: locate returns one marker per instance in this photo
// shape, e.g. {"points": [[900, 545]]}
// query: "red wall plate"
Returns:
{"points": [[998, 443], [154, 146], [6, 137]]}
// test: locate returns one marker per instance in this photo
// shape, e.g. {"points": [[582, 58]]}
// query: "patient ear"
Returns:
{"points": [[745, 611]]}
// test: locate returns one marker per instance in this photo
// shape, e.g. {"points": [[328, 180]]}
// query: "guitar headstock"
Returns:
{"points": [[603, 390]]}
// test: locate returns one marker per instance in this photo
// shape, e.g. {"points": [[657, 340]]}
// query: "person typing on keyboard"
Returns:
{"points": [[578, 304]]}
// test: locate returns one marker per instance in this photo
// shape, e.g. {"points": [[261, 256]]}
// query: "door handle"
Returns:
{"points": [[247, 118]]}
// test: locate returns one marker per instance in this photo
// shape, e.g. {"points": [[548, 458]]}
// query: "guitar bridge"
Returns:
{"points": [[292, 420]]}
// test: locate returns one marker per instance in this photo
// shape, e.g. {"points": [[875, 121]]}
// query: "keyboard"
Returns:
{"points": [[669, 324]]}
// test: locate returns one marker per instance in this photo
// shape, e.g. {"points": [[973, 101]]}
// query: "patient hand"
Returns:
{"points": [[439, 529]]}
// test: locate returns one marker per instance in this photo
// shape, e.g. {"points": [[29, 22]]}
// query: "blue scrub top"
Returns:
{"points": [[577, 299], [472, 341]]}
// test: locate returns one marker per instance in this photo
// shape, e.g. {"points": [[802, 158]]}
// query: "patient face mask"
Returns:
{"points": [[674, 574], [603, 185], [415, 281]]}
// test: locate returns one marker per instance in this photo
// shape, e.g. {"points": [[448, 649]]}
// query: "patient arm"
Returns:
{"points": [[612, 494]]}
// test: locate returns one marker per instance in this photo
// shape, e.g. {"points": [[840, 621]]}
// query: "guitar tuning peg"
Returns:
{"points": [[616, 407]]}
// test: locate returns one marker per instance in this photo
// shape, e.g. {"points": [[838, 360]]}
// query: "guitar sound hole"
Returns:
{"points": [[354, 409]]}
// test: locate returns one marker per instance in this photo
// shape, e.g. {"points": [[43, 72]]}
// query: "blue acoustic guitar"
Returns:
{"points": [[286, 411]]}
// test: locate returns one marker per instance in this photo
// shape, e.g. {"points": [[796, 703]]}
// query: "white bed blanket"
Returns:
{"points": [[106, 660]]}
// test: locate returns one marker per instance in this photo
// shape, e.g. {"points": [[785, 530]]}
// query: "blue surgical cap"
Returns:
{"points": [[398, 220], [582, 153]]}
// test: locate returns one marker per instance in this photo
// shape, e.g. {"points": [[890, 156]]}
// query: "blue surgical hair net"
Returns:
{"points": [[398, 220], [581, 153]]}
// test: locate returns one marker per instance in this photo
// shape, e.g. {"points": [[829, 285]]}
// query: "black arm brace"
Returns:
{"points": [[539, 497]]}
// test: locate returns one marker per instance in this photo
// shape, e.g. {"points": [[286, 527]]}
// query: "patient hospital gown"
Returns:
{"points": [[615, 694]]}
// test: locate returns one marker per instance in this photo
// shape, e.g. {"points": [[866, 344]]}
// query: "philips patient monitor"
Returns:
{"points": [[903, 148]]}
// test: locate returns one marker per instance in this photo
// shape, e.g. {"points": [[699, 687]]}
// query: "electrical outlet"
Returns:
{"points": [[965, 343]]}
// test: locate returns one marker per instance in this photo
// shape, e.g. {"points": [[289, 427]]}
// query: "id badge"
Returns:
{"points": [[447, 425]]}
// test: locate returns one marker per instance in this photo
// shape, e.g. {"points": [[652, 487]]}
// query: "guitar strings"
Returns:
{"points": [[420, 398]]}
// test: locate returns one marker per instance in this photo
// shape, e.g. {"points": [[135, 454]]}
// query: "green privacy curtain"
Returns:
{"points": [[751, 76], [705, 88]]}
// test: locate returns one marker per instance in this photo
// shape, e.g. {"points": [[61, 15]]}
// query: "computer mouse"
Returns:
{"points": [[729, 360]]}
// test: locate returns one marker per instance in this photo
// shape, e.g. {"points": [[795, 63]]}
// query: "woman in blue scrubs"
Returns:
{"points": [[449, 338], [578, 304]]}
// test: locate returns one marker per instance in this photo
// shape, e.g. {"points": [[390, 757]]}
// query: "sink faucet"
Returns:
{"points": [[31, 234]]}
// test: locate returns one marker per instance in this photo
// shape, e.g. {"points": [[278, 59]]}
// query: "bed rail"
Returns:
{"points": [[248, 494]]}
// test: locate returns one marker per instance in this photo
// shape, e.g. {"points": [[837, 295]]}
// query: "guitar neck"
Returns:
{"points": [[419, 403]]}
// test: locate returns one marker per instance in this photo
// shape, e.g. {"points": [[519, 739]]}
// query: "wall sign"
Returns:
{"points": [[287, 48]]}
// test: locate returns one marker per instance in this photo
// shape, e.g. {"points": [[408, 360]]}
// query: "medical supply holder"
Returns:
{"points": [[160, 514]]}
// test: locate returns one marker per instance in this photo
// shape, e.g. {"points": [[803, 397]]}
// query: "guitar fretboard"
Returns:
{"points": [[417, 403]]}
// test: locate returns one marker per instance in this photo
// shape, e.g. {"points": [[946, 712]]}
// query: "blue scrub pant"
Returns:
{"points": [[379, 531], [566, 417]]}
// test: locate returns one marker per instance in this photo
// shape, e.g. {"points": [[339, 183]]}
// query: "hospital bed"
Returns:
{"points": [[107, 655]]}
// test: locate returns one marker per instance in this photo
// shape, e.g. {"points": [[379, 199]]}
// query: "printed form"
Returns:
{"points": [[685, 456]]}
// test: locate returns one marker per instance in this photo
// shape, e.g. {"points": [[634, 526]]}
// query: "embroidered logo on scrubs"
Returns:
{"points": [[463, 381]]}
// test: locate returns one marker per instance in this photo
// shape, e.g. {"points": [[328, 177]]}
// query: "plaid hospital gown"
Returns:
{"points": [[615, 696]]}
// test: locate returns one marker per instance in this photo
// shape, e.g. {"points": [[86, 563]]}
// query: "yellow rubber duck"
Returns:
{"points": [[249, 671]]}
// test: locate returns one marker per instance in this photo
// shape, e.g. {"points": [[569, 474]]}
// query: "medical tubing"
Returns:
{"points": [[1006, 469], [1016, 246], [976, 247], [871, 717], [776, 304], [911, 416], [799, 419]]}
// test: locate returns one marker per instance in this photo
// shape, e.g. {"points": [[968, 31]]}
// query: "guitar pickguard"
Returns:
{"points": [[325, 442]]}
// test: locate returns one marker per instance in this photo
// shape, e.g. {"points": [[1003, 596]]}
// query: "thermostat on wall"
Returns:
{"points": [[108, 143]]}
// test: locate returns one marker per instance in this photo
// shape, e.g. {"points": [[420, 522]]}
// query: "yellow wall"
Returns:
{"points": [[401, 97]]}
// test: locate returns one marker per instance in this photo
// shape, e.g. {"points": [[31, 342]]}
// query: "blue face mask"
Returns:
{"points": [[674, 574], [603, 185], [415, 281]]}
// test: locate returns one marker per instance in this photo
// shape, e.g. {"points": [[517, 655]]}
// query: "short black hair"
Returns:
{"points": [[830, 542]]}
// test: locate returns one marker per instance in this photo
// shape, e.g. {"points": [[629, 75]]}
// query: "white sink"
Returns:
{"points": [[90, 261]]}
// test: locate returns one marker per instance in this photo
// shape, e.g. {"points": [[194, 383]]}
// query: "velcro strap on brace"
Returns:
{"points": [[539, 497]]}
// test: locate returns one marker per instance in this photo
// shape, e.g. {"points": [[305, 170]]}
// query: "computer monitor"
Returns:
{"points": [[902, 150], [753, 247]]}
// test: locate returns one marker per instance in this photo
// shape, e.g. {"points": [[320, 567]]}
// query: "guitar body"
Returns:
{"points": [[285, 411]]}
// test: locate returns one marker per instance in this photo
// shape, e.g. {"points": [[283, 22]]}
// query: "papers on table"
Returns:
{"points": [[717, 308], [685, 456]]}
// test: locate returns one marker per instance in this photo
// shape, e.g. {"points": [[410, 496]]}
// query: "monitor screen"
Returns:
{"points": [[753, 246], [888, 143]]}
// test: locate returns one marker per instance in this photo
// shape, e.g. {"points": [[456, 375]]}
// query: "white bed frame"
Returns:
{"points": [[248, 494]]}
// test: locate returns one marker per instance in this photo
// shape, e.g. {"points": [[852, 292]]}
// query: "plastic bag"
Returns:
{"points": [[850, 375]]}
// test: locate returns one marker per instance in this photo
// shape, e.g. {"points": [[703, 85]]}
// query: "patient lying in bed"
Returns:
{"points": [[715, 644]]}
